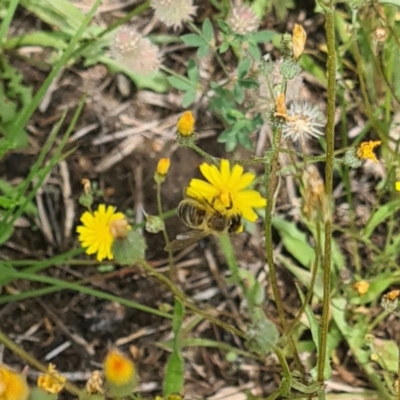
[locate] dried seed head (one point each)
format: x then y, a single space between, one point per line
242 19
304 120
299 41
391 302
314 198
134 52
119 228
172 13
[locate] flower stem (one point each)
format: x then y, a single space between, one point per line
206 314
20 352
172 272
330 139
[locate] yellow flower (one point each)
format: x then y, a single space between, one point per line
185 125
51 381
119 370
397 186
361 287
98 231
163 166
365 151
13 385
226 190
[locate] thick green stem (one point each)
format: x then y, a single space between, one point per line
330 139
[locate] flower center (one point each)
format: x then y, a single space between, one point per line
225 199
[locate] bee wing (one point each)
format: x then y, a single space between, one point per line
186 239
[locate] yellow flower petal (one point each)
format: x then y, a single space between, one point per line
226 190
397 186
96 235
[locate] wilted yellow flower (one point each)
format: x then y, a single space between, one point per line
280 106
99 230
95 383
51 381
185 125
163 166
361 287
365 151
13 385
299 40
119 370
226 190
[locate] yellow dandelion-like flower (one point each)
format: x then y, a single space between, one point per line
397 186
226 190
51 381
97 234
185 125
119 370
13 385
366 150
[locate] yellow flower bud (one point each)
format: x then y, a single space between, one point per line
13 385
185 125
397 186
119 370
163 166
299 40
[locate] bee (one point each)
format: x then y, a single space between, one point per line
204 220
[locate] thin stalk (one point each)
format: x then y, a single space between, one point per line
20 352
182 298
62 285
7 21
330 140
227 249
172 271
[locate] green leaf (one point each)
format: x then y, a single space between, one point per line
129 250
173 381
60 13
243 67
383 212
295 241
39 394
192 39
193 72
202 51
207 30
263 36
394 2
179 83
189 98
224 47
248 83
178 317
254 51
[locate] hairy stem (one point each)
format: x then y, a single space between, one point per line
330 136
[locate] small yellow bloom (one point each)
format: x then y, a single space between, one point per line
185 125
51 381
163 166
397 186
299 40
365 151
13 385
97 234
226 190
361 287
119 370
